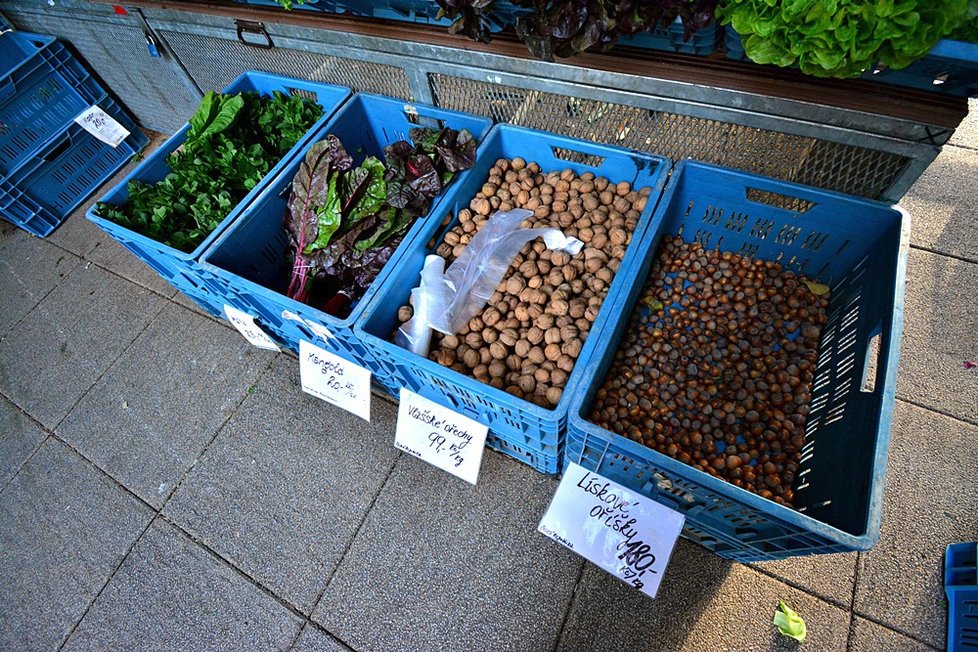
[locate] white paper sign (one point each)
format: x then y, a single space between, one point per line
246 325
439 436
103 126
335 380
618 529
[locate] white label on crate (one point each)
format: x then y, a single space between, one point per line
439 436
318 330
103 126
246 325
335 380
619 530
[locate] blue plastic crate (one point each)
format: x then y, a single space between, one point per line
42 88
534 432
63 172
950 68
178 267
961 586
251 259
702 42
733 44
859 248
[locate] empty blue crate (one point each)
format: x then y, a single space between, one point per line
858 248
63 172
961 586
178 267
42 88
950 68
702 42
252 258
526 431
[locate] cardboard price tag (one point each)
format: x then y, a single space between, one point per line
439 436
246 325
335 380
618 529
103 126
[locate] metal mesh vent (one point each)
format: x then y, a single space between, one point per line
835 166
153 91
216 62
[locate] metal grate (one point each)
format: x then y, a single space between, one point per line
215 62
834 166
153 91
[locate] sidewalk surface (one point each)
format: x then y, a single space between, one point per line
166 486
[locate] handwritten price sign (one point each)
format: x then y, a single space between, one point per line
618 529
245 324
335 380
439 436
103 126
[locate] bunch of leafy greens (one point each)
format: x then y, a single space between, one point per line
569 27
968 30
232 143
345 222
841 38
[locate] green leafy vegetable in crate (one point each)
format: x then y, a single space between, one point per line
344 223
841 38
968 30
232 143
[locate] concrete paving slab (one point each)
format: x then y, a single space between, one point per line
117 259
71 338
171 594
78 234
64 527
149 417
930 502
190 304
704 603
284 487
314 640
830 577
966 135
29 270
442 565
19 437
940 332
867 636
944 206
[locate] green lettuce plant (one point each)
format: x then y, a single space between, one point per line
841 38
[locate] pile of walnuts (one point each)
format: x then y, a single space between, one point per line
531 331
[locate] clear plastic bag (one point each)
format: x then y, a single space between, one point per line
447 301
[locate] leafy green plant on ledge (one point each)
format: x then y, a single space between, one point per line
842 38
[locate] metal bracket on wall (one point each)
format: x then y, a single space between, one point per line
250 27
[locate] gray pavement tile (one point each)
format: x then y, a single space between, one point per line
149 417
704 603
867 636
284 487
78 234
943 205
940 332
117 259
19 437
830 577
442 565
171 594
930 502
189 303
314 640
64 527
70 339
966 135
29 269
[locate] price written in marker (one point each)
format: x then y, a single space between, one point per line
619 530
335 380
440 436
103 126
246 325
